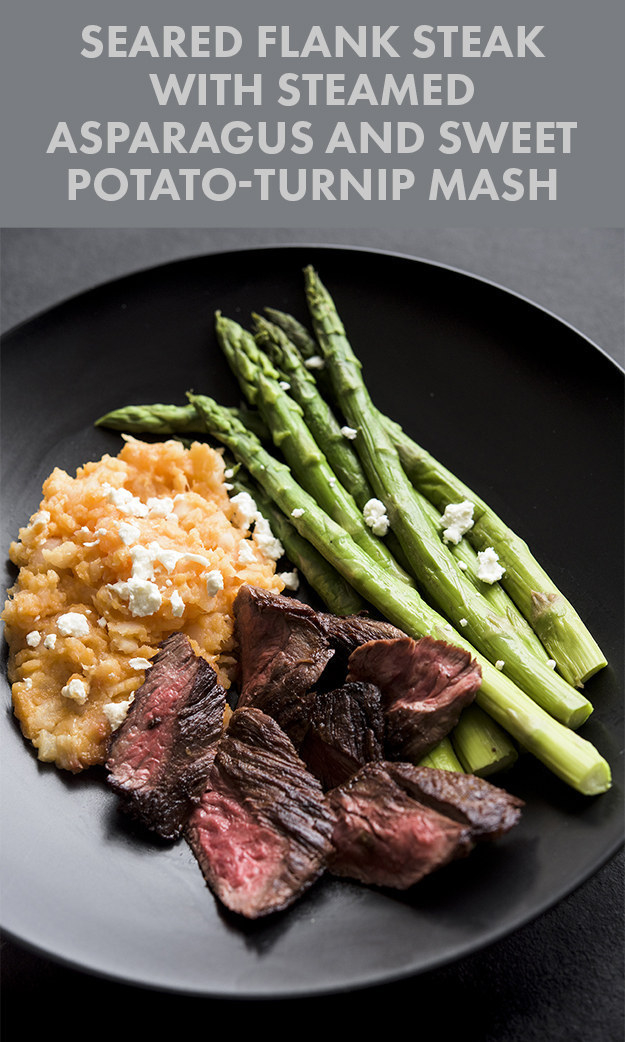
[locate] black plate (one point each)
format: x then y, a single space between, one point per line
521 406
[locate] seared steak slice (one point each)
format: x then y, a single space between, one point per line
283 650
348 632
488 810
286 649
425 685
346 730
384 837
160 757
262 831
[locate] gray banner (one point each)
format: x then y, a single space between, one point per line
281 115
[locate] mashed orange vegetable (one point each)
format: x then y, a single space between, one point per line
116 558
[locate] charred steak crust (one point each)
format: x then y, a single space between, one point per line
262 831
346 730
384 837
160 757
287 648
425 685
487 809
283 651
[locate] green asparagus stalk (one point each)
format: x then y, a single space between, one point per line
171 419
571 757
455 596
296 332
555 620
320 419
443 757
494 593
152 419
261 386
482 746
304 341
334 590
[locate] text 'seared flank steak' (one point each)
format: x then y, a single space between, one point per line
160 757
149 631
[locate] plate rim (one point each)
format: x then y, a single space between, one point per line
145 270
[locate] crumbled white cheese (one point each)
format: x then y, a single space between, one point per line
73 624
246 554
145 557
489 569
349 433
177 604
551 662
284 385
462 565
315 362
229 473
143 596
298 512
214 582
124 500
33 639
266 541
139 663
50 641
128 533
456 520
500 663
290 579
246 507
116 712
76 689
160 506
464 622
374 513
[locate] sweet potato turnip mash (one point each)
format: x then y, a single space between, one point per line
131 549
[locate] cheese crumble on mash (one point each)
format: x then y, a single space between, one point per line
131 549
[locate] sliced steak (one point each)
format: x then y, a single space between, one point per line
425 685
283 650
346 730
384 837
286 649
160 757
262 831
348 632
488 810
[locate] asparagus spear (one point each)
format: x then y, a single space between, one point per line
152 419
321 420
571 757
335 591
171 419
295 331
442 757
260 384
480 744
454 595
550 614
